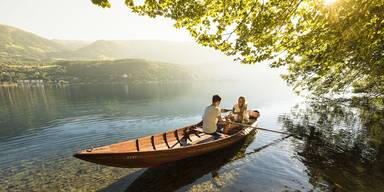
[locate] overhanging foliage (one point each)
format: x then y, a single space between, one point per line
327 48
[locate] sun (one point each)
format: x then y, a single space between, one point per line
329 2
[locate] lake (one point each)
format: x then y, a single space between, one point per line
338 146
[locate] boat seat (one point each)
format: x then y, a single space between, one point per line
199 129
207 138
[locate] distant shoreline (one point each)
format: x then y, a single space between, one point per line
104 83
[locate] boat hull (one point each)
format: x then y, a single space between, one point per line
147 152
156 158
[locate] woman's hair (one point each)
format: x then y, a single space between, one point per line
245 101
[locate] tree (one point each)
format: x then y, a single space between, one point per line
325 47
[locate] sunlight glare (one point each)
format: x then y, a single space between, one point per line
329 2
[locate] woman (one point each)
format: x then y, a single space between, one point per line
239 112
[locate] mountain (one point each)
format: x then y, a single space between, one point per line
167 51
17 45
71 45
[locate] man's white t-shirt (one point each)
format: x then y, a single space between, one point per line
210 118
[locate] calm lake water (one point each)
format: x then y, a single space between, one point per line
338 147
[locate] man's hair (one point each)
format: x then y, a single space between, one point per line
216 98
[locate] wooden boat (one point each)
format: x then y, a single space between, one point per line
162 148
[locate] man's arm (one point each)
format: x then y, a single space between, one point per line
220 119
219 115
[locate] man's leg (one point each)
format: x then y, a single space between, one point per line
219 126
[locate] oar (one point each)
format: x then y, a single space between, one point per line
246 125
226 110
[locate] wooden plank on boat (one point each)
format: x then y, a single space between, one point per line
153 142
165 140
137 144
177 136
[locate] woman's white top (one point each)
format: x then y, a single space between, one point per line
237 109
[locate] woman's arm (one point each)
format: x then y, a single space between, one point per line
234 111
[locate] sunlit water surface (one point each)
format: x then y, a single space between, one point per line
41 127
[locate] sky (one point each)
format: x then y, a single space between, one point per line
81 20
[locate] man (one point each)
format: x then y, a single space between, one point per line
212 115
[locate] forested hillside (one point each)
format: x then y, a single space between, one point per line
25 56
17 46
118 71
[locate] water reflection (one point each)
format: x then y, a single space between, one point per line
23 108
181 175
41 127
342 143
